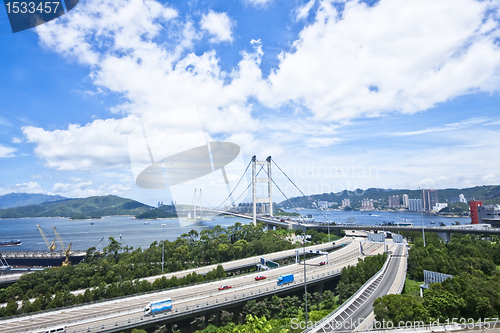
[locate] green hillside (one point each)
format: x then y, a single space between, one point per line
489 194
79 208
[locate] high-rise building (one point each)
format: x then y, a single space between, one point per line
346 202
414 205
430 199
394 201
405 200
462 198
474 215
367 204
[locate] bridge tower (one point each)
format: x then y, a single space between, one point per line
196 201
269 197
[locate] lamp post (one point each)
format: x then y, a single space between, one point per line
305 276
163 249
422 214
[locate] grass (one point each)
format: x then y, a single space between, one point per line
412 287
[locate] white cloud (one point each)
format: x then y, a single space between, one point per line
303 11
6 152
87 189
100 144
258 2
219 25
31 187
404 56
16 140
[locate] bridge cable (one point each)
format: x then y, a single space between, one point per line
261 168
301 192
244 172
285 196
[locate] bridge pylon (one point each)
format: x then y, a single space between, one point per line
269 197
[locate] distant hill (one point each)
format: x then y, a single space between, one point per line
489 194
79 208
24 199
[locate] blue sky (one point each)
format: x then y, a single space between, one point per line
384 94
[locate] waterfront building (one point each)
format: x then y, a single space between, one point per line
346 203
438 206
414 205
474 211
323 204
405 200
430 199
489 214
367 204
394 201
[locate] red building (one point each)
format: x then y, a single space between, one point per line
474 217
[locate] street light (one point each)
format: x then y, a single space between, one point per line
163 249
305 277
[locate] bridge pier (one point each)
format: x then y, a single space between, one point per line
446 236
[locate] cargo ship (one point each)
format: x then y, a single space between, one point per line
11 243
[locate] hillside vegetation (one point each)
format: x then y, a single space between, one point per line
488 194
88 207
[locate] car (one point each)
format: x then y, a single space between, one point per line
224 287
322 263
260 277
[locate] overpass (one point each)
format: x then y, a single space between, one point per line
127 312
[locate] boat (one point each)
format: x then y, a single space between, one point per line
147 222
91 223
11 243
432 222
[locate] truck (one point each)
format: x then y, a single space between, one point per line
158 306
284 279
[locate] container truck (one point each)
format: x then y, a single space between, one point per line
284 279
158 306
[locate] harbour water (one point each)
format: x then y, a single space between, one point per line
82 234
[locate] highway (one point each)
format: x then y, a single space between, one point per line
357 312
117 314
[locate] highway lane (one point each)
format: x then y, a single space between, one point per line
132 307
232 265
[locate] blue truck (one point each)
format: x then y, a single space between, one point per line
158 306
284 279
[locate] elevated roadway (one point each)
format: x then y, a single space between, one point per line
124 313
325 226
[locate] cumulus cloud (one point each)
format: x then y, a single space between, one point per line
31 187
100 144
219 25
6 151
403 56
397 56
87 189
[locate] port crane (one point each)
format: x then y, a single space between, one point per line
67 250
52 246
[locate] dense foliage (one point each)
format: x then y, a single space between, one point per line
353 277
113 272
473 292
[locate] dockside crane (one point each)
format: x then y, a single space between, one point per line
52 246
67 250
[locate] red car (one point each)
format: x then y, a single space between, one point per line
260 277
224 287
322 263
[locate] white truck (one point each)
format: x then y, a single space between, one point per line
158 306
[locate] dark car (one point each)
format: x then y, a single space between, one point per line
224 287
322 263
260 277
